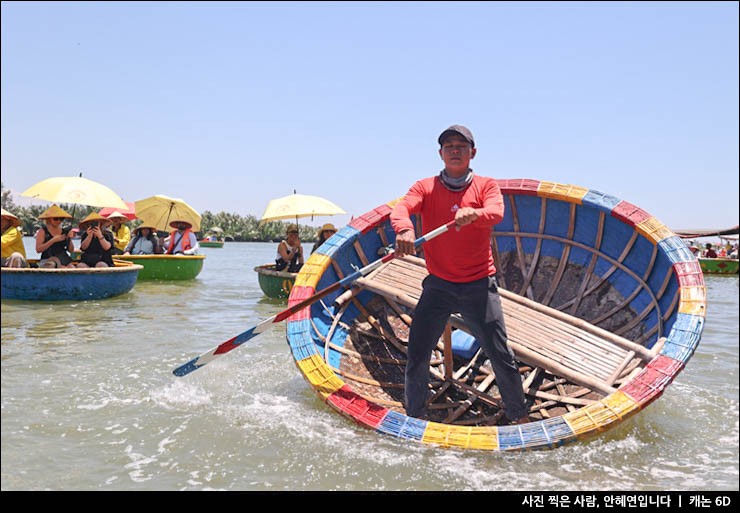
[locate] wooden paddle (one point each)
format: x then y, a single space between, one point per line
235 342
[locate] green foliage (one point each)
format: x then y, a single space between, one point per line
248 228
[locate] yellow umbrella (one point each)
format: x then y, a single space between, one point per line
75 190
299 205
159 211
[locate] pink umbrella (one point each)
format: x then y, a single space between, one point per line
129 212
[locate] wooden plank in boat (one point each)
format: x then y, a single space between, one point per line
555 341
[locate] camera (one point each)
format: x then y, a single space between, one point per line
94 224
66 229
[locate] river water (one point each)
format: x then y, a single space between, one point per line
89 403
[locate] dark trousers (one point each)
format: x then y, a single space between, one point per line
480 306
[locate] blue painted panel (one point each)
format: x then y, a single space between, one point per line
616 236
528 213
601 201
557 218
579 256
403 426
676 249
300 340
586 226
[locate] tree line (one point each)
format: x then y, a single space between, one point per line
235 227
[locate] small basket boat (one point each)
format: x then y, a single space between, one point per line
275 284
603 304
166 267
211 243
35 284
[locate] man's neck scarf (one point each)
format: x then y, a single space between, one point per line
456 184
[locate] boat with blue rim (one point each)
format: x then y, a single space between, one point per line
38 284
604 307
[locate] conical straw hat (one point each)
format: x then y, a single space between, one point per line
54 211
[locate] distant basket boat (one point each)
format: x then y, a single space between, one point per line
719 265
35 284
211 243
275 284
604 307
166 267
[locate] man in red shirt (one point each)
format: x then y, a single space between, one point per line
461 270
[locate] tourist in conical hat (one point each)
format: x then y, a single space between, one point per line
144 242
53 240
96 243
325 232
121 232
182 241
13 250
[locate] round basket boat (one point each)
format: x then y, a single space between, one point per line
275 284
603 305
166 267
35 284
211 243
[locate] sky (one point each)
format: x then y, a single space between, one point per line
230 104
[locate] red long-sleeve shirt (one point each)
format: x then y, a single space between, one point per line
458 256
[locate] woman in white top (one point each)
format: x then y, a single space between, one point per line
289 251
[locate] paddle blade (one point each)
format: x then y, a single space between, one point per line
232 343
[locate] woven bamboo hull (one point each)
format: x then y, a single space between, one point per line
35 284
166 267
275 284
571 263
719 265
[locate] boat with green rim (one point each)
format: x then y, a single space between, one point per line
166 267
211 243
275 284
719 265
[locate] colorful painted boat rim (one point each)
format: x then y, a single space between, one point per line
211 244
719 265
34 284
166 267
275 284
669 278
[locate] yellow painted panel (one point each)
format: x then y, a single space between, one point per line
320 375
312 270
599 415
693 300
464 437
561 191
653 230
